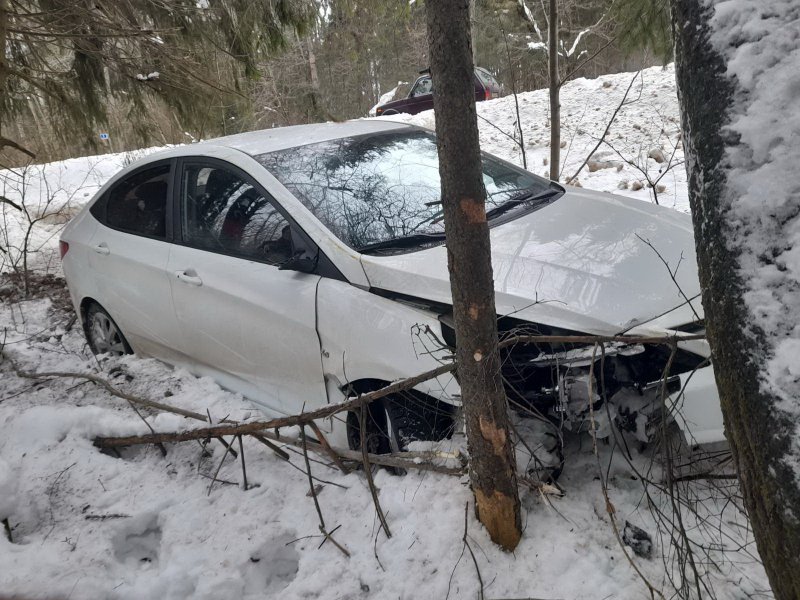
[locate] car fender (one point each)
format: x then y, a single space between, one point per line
366 336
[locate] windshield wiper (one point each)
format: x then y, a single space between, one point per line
526 198
404 241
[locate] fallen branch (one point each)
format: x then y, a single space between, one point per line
705 476
131 399
351 403
400 460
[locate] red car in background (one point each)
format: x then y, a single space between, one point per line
421 95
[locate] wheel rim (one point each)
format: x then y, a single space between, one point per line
106 337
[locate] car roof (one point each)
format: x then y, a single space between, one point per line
280 138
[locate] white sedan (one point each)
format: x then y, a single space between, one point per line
301 264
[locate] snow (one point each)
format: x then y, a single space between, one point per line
649 121
387 97
761 46
53 193
86 524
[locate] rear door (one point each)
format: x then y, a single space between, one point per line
243 321
128 255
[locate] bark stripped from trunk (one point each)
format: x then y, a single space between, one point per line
469 261
762 434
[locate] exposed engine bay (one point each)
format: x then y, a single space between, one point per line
580 388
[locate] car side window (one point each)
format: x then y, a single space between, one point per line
139 203
223 212
423 87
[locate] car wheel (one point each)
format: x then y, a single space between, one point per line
103 334
379 435
389 112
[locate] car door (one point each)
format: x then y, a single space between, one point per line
421 96
128 255
243 321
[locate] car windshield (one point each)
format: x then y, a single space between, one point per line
383 191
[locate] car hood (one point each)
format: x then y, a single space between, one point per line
590 261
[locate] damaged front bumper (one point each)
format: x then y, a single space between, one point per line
696 407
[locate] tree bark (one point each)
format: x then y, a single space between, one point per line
3 61
555 88
760 435
492 471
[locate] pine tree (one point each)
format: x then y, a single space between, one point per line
492 468
72 58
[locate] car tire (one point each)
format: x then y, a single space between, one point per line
380 436
390 112
103 334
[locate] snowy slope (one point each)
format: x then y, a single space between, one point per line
89 525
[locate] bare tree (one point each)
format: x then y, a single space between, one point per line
492 470
746 230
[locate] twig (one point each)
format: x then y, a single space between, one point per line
213 479
328 450
471 553
672 274
609 506
244 468
368 471
159 444
7 528
280 452
105 517
328 536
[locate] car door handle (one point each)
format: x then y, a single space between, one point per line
102 249
189 276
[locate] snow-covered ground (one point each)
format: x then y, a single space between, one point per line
86 524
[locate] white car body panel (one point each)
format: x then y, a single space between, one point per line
597 277
699 418
354 328
141 301
250 326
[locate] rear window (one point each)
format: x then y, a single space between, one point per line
138 204
487 79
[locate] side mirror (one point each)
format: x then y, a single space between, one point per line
300 262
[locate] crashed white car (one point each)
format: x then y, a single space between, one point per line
301 264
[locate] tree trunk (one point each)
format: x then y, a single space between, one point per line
555 102
3 61
469 260
758 420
